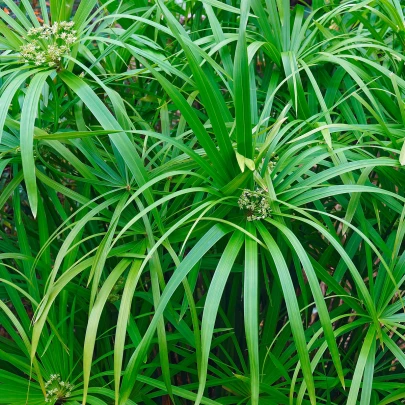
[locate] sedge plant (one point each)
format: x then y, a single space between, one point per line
202 202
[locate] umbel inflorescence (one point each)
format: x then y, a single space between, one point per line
255 203
56 389
47 44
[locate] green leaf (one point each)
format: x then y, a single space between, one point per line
292 308
242 99
368 343
28 115
251 310
214 295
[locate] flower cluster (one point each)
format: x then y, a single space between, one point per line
255 203
57 389
48 43
116 291
273 162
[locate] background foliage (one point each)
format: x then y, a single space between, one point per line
128 267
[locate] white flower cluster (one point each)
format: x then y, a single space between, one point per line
49 43
255 203
57 389
273 162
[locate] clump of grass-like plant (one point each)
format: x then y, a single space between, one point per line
202 202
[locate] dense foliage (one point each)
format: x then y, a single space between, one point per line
202 202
